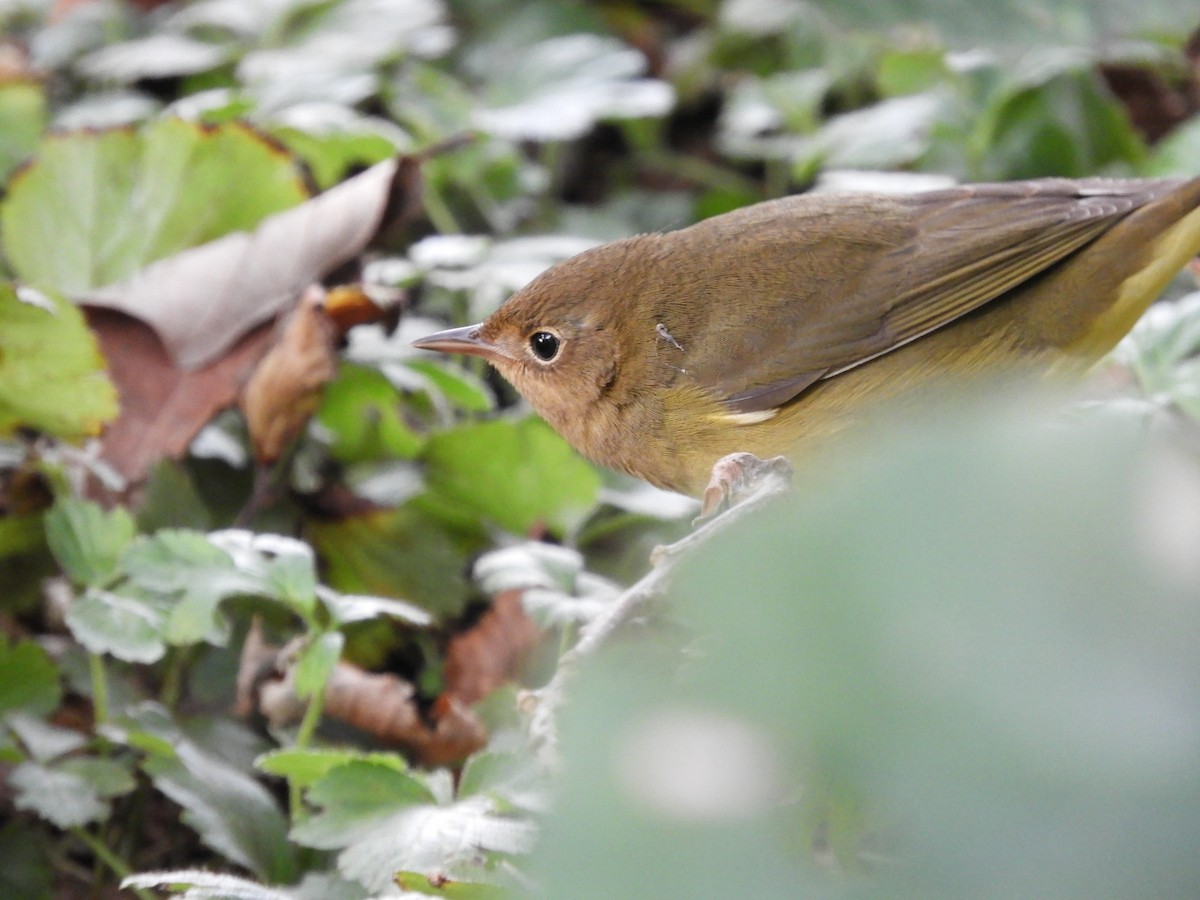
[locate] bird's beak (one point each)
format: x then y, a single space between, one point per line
460 340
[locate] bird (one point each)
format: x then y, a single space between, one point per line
771 327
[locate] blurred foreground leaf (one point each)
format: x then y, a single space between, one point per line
964 657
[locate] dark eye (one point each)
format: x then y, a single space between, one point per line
544 345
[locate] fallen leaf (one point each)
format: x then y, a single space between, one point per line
202 300
285 389
163 407
491 653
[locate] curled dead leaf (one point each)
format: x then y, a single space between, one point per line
202 300
162 407
380 704
491 653
285 389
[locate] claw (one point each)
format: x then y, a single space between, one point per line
736 474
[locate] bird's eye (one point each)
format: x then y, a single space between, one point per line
544 345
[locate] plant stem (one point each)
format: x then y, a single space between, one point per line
308 725
114 862
172 685
99 694
439 213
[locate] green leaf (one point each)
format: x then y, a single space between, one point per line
1161 349
968 626
126 627
1176 154
22 119
347 608
460 388
416 551
556 589
354 799
65 799
389 821
332 154
305 767
52 375
110 202
417 883
230 811
28 679
86 540
203 885
364 415
1055 119
517 474
173 559
560 88
42 740
1011 24
107 777
316 663
281 568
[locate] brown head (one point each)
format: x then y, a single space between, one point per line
558 340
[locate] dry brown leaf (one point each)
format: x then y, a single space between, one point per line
203 300
163 407
491 653
285 389
380 704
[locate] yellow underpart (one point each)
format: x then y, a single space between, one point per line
1171 252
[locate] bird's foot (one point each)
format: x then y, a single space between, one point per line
735 475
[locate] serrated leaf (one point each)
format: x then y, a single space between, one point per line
172 559
107 777
42 740
273 565
1162 350
354 799
515 779
559 88
347 608
162 55
193 617
388 820
230 811
126 627
86 540
204 885
28 679
304 767
65 799
532 564
517 474
429 838
52 375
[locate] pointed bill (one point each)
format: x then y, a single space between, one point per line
460 340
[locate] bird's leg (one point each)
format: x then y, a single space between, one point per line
735 475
